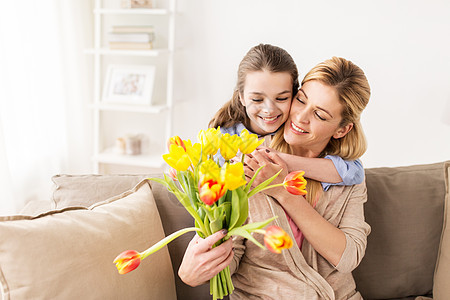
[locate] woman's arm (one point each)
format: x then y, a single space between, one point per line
327 240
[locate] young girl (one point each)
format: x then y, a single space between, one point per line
267 81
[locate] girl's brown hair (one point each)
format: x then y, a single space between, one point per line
353 89
258 58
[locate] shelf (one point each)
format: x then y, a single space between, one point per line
152 109
131 11
149 161
107 51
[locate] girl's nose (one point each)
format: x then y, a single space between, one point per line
268 107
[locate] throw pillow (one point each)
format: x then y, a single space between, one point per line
69 253
405 209
87 189
441 288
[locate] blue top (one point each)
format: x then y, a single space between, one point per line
351 171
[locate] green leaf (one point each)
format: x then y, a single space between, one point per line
245 234
249 184
262 185
235 210
159 180
258 225
243 207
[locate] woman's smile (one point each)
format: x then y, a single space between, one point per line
297 130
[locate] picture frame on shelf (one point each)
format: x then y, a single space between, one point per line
129 84
136 4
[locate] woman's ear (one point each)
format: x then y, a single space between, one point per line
241 99
342 131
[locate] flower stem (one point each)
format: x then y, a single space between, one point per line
167 240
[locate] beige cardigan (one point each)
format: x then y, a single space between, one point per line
302 274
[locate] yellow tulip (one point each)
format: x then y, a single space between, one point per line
194 152
249 142
229 145
209 170
233 175
210 140
177 158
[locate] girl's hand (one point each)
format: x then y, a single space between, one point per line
201 261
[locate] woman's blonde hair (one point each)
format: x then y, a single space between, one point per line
258 58
353 89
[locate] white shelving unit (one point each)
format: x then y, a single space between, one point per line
111 121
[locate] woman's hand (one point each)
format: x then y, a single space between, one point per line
272 164
201 261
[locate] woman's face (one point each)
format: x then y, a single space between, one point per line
267 99
315 116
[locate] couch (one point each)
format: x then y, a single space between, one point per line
63 248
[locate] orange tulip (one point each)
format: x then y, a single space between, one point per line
210 191
176 140
295 183
127 261
276 239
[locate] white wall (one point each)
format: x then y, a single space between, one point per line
403 46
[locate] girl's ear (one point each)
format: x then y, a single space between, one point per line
342 131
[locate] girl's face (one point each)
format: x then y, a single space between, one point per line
267 99
315 118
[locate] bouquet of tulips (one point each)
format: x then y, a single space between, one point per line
216 196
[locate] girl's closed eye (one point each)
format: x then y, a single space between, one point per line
257 100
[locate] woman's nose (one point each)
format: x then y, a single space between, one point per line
302 116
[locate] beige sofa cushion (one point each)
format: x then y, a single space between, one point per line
405 209
85 190
441 289
68 254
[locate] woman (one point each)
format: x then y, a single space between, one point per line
328 226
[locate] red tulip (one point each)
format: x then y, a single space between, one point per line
295 183
176 140
173 174
276 239
127 261
210 191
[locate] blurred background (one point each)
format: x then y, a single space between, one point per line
51 116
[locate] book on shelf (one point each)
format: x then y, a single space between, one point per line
130 37
130 46
133 29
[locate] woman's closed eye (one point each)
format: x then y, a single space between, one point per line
282 98
300 100
317 113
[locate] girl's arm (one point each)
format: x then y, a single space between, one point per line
320 169
331 170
